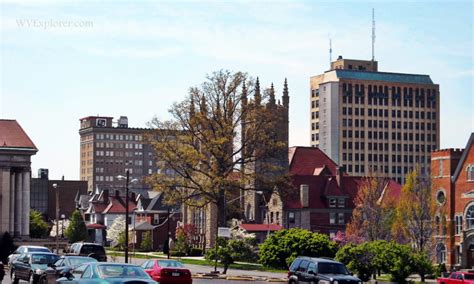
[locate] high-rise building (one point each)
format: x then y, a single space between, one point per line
374 122
109 149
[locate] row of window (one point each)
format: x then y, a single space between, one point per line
384 113
379 168
384 146
382 158
126 137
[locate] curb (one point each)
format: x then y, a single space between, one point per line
238 278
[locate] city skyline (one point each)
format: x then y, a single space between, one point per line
62 62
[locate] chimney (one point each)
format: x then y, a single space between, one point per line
339 173
105 195
304 195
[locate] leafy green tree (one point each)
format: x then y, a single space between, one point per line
423 264
7 247
232 250
358 258
38 227
77 230
146 244
401 262
282 247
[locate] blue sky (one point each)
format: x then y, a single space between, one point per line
136 58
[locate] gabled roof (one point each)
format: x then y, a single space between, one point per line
260 227
117 206
464 156
308 160
13 136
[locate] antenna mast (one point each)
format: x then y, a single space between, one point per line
330 52
373 34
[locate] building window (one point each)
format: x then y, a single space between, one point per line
458 224
156 218
332 218
341 220
332 202
291 217
440 253
341 203
470 217
441 197
470 172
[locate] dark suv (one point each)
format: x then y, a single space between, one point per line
319 270
88 249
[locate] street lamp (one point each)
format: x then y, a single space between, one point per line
267 211
62 225
55 186
127 181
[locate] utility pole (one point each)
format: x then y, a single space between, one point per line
168 237
55 186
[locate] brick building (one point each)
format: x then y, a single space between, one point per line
322 196
453 188
370 121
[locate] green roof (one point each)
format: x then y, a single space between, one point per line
383 76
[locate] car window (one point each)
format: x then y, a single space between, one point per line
38 250
312 267
88 249
87 273
77 272
114 270
151 264
295 264
44 258
169 263
460 276
332 268
145 264
469 276
303 266
76 261
453 275
59 262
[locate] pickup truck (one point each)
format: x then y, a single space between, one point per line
459 277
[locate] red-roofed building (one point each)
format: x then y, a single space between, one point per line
16 149
452 184
322 198
260 230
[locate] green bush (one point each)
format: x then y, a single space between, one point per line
232 250
281 248
38 227
146 244
77 230
423 265
401 263
176 253
195 252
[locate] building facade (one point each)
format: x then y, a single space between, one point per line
16 149
109 149
452 184
370 121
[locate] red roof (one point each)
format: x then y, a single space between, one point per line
310 160
13 136
117 205
96 226
261 227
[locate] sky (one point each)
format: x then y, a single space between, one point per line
61 61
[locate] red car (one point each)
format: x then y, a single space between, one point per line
460 277
167 271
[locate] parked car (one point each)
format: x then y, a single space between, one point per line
30 266
25 249
64 263
106 272
2 271
459 277
88 249
167 271
319 270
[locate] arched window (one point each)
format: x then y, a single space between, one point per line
437 221
470 172
470 217
440 253
443 226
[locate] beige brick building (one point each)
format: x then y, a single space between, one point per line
370 121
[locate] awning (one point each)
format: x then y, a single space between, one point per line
96 226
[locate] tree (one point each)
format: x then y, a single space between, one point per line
232 250
373 216
415 211
146 244
7 247
77 230
281 248
422 264
38 227
358 258
213 134
116 231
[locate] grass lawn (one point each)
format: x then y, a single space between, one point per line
241 266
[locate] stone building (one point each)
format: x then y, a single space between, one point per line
452 183
16 149
370 121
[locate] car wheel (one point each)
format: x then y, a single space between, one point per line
14 278
42 280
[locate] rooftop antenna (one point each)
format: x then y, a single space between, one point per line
330 50
373 34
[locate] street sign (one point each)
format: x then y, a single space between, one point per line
223 232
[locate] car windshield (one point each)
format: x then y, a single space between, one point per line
169 263
88 249
114 270
38 250
43 258
331 268
76 261
469 276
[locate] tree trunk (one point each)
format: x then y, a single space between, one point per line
422 276
226 265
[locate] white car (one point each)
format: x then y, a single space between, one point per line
24 249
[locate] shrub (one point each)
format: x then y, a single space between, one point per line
76 231
422 264
195 252
232 250
282 247
358 259
176 253
38 227
146 244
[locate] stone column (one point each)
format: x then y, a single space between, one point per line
26 204
18 204
12 203
5 200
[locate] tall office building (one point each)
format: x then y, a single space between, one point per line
109 149
374 122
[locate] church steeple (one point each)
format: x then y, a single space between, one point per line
286 97
258 95
243 97
272 96
192 109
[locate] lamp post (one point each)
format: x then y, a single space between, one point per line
267 211
62 225
127 181
55 186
